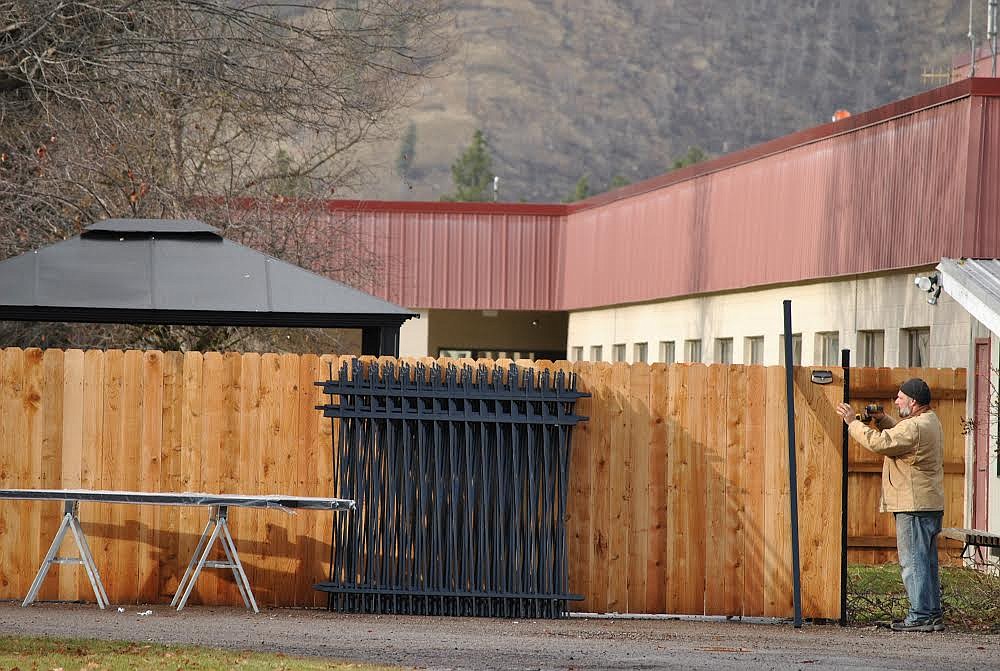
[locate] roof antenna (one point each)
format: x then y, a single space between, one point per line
972 45
991 31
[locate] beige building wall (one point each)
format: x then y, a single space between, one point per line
413 335
889 304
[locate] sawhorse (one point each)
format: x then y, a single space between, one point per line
216 529
70 522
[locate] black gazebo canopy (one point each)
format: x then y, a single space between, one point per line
158 271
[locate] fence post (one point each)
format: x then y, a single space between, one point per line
792 476
845 362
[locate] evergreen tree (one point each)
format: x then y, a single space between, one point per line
693 155
407 147
288 180
580 191
617 182
472 172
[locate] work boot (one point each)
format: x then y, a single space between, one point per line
917 625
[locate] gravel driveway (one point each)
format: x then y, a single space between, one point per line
468 643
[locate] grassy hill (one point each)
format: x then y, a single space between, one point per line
565 88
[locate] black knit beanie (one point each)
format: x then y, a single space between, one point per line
918 390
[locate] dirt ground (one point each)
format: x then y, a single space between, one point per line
468 643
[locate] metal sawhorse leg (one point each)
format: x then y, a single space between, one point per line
71 522
217 528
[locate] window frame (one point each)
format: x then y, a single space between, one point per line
724 347
749 345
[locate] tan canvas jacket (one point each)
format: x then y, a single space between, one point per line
913 468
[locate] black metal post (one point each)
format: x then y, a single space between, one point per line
792 476
845 362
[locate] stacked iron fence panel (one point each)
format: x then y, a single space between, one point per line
461 480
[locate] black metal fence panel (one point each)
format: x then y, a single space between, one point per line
460 477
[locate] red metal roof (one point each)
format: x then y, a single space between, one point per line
927 99
896 187
885 196
494 258
983 206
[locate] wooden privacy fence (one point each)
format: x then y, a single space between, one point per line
680 495
678 485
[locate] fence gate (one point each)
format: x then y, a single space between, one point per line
461 479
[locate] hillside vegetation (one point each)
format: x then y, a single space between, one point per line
566 88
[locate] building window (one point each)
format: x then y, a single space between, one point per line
639 352
753 350
692 351
541 355
796 349
827 348
871 349
914 347
596 353
667 354
618 352
578 353
723 350
455 353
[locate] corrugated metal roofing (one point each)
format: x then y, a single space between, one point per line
890 195
975 285
492 259
892 188
174 273
943 95
983 208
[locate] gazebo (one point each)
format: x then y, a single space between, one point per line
161 271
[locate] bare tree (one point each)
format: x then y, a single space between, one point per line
222 110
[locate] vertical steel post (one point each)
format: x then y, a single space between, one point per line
792 475
845 362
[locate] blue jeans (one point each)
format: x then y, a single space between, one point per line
916 540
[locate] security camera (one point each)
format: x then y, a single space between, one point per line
931 284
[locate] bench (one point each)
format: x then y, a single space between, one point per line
975 543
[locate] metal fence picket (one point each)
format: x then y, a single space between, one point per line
461 479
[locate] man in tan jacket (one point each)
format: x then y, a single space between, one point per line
913 491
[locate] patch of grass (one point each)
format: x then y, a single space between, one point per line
50 654
970 598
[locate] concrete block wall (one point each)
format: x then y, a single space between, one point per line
889 303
